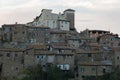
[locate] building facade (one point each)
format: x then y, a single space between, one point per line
64 21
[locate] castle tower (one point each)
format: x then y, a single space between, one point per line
69 14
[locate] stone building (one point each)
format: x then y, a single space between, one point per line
58 36
7 32
110 40
38 35
92 70
1 37
93 33
19 33
116 56
14 60
64 56
44 57
60 21
14 35
11 61
91 64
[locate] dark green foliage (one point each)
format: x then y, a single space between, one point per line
50 73
54 73
114 75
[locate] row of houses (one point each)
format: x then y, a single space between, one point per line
88 54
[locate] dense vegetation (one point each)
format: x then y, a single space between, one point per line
114 75
39 73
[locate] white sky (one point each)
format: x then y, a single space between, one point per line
91 14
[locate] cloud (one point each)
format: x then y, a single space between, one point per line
11 3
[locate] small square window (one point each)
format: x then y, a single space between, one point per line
15 32
37 56
93 69
1 55
89 55
16 55
104 71
16 68
82 69
26 53
117 57
8 55
23 32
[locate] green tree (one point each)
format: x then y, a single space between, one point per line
54 73
113 75
31 73
50 73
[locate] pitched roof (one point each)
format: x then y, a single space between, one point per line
96 63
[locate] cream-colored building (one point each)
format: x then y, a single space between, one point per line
64 21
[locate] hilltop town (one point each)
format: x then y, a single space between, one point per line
52 39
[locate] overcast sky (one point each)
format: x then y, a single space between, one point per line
91 14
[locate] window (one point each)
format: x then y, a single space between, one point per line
62 51
8 55
105 58
119 44
93 69
89 55
72 50
10 28
26 53
16 68
22 61
96 49
3 28
59 50
16 55
66 67
104 71
62 26
60 35
23 32
83 76
82 69
37 56
86 48
35 34
117 57
15 32
1 55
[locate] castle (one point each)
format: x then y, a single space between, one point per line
51 39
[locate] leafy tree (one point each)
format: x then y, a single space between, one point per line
50 73
31 73
54 73
114 75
